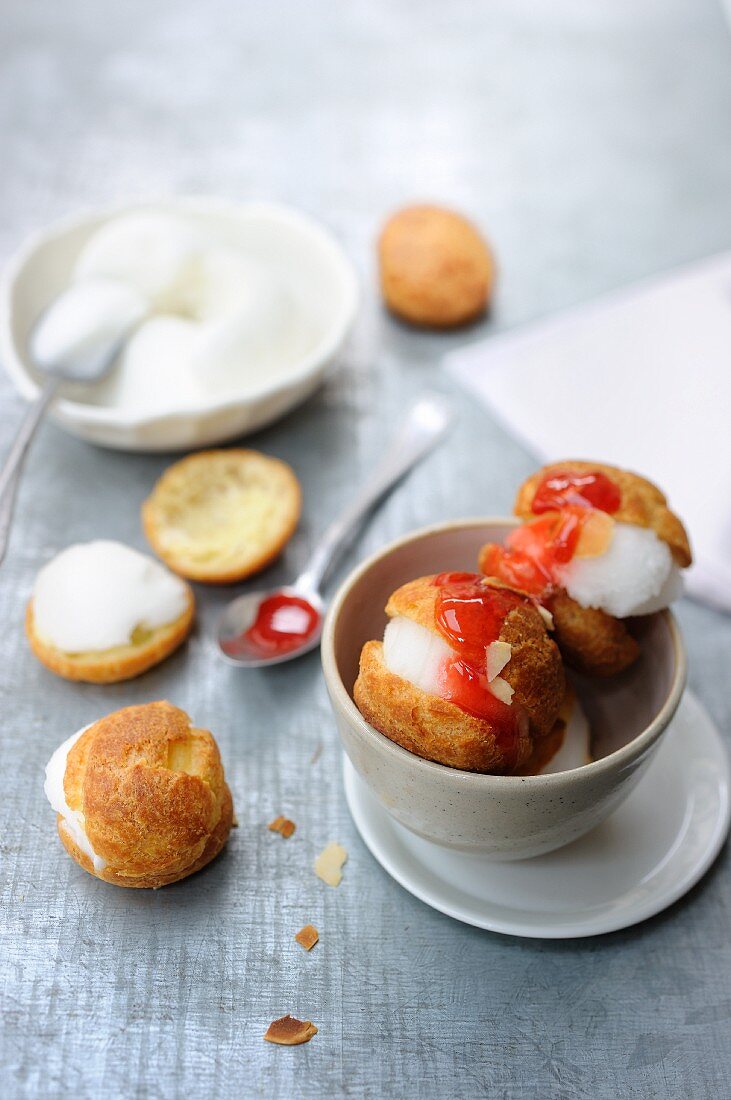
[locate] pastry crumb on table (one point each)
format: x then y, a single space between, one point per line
307 937
283 826
287 1031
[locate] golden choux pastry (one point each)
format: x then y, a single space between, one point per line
479 704
435 268
640 502
589 639
599 546
140 796
220 516
110 666
102 612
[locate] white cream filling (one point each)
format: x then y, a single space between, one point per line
419 655
636 575
415 653
73 820
93 596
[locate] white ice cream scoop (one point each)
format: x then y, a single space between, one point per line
636 575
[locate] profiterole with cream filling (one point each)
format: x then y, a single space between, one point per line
466 674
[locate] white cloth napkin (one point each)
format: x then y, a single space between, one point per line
642 379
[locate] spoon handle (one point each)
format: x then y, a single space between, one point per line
12 467
426 424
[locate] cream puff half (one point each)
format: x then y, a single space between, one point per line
140 796
217 517
102 612
403 686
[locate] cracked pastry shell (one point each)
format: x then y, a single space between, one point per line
152 791
439 730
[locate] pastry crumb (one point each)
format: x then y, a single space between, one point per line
316 754
307 937
283 826
289 1032
329 864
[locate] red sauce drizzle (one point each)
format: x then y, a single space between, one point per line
533 551
282 623
471 613
590 490
469 616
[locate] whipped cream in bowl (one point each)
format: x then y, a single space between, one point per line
96 596
243 308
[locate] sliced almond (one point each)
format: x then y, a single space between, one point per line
329 864
501 689
283 826
307 937
498 655
546 616
289 1032
595 538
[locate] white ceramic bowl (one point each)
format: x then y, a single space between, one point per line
502 817
326 287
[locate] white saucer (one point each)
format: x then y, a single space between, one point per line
649 853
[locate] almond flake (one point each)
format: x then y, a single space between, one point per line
329 864
546 616
595 537
501 689
498 655
289 1032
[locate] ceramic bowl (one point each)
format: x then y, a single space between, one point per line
320 272
502 817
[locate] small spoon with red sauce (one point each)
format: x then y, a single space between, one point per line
267 628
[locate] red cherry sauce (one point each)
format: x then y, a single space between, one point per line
589 490
532 552
469 616
283 622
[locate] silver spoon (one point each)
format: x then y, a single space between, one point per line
76 339
298 624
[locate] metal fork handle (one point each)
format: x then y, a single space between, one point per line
13 465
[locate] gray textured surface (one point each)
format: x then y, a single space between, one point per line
591 140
